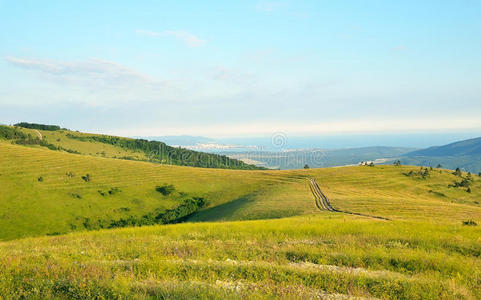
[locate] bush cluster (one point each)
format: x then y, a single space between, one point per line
170 216
165 189
464 183
38 126
422 173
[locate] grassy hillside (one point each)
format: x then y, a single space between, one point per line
326 255
423 251
43 192
54 138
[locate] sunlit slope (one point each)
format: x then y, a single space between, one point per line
302 257
387 191
116 147
59 203
39 195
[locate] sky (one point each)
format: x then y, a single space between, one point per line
242 68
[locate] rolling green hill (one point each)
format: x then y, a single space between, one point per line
255 234
55 138
47 192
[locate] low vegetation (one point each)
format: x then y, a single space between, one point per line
95 227
327 255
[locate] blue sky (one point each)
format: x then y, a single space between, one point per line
242 68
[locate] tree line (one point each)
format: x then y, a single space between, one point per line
38 126
162 153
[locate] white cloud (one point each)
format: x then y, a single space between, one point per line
92 72
186 37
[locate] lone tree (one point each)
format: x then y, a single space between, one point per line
439 166
306 166
457 172
165 189
397 163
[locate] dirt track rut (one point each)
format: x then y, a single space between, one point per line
323 203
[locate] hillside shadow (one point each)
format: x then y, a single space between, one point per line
221 212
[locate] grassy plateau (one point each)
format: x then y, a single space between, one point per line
258 235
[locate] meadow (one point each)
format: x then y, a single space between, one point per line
259 235
327 255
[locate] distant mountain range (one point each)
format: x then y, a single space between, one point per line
463 154
319 158
462 148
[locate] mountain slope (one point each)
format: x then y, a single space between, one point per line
461 148
463 154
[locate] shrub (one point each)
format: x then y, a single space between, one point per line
114 191
457 172
306 166
469 223
422 173
466 182
165 189
40 179
86 178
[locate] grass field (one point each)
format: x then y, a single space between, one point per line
268 240
61 138
60 203
301 257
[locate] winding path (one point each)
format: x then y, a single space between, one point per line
38 133
323 203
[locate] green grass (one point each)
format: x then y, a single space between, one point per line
30 207
301 257
118 147
60 203
268 239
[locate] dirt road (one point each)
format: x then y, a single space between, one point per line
323 203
